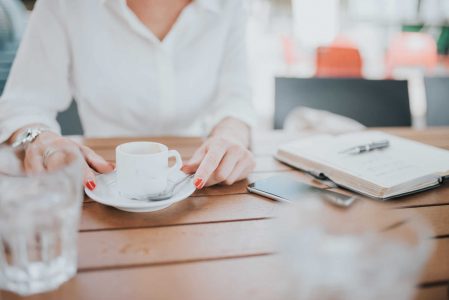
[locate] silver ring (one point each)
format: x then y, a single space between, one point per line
48 152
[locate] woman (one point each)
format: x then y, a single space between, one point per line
135 67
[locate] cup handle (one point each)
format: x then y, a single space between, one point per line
178 165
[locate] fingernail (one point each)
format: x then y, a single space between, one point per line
91 185
199 183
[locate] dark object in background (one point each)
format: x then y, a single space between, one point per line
443 41
13 17
374 103
69 121
437 94
29 4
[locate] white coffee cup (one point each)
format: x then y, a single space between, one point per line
142 168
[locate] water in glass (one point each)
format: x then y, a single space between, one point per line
39 218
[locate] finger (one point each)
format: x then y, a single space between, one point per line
226 166
242 170
88 174
56 161
95 161
33 162
89 177
209 165
193 164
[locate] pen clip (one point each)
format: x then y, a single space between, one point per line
317 175
322 178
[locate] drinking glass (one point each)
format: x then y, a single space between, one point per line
341 255
39 218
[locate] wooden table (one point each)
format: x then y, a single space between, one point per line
213 245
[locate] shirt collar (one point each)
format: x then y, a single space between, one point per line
212 5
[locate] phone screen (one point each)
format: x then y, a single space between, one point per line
286 188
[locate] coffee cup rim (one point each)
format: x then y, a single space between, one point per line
119 148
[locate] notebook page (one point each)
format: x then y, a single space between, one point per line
403 161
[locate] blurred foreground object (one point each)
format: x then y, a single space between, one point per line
39 216
363 254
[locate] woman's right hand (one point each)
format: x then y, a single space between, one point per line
47 153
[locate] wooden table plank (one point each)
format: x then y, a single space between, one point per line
254 278
211 241
437 268
208 209
260 278
174 244
433 293
224 208
438 218
195 210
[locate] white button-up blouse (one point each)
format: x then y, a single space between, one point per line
124 79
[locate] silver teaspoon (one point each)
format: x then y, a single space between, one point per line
168 192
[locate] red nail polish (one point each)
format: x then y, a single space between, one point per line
199 183
91 185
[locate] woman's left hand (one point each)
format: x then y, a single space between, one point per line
220 160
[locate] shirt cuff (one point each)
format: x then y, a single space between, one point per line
244 114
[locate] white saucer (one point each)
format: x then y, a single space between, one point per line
107 193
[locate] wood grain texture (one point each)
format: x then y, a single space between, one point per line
195 210
437 268
260 277
437 217
434 197
150 245
433 293
219 244
174 244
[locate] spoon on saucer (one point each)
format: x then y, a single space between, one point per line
168 192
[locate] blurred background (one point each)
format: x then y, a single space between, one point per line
371 39
379 62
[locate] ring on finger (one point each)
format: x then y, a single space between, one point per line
48 152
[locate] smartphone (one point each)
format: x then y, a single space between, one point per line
285 188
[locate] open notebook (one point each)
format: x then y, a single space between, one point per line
404 167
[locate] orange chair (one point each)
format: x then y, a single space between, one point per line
340 59
411 49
